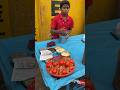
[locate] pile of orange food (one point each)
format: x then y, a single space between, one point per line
60 67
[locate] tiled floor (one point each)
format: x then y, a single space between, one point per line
39 84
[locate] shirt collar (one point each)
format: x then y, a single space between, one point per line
61 17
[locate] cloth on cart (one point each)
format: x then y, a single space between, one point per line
75 46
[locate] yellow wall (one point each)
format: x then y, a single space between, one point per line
43 18
22 17
18 17
102 10
5 25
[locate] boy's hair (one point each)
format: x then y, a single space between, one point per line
64 2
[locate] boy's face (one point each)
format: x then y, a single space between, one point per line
65 9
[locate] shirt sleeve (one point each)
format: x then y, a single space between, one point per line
54 23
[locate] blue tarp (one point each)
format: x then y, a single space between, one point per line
76 47
101 53
7 48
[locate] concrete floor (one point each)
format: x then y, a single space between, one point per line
39 84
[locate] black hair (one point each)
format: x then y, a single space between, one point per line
63 3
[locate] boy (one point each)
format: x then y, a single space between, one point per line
62 24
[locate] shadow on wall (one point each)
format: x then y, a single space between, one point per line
102 10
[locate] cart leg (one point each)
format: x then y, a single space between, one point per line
68 87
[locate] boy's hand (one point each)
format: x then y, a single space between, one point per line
62 29
56 31
65 32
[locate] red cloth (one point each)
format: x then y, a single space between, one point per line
88 3
58 22
31 86
88 84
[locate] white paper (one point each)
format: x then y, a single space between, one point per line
42 57
24 68
24 62
45 54
22 74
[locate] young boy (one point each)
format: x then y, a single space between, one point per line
62 24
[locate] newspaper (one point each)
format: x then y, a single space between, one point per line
24 68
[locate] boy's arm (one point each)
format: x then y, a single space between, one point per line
60 31
66 32
55 31
69 31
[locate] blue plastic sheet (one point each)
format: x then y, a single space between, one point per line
101 53
76 47
7 48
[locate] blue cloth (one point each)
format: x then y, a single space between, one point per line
75 46
7 48
101 53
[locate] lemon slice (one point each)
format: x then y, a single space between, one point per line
60 50
57 47
65 53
